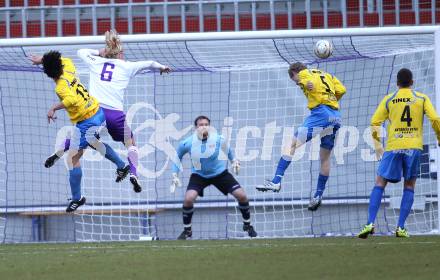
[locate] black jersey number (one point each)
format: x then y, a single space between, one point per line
406 116
81 90
328 90
331 95
322 76
327 87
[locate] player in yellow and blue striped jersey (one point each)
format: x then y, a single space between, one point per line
323 92
404 109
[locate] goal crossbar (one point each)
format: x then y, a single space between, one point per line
73 40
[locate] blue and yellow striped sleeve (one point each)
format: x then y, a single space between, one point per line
430 112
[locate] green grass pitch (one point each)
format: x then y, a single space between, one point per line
310 258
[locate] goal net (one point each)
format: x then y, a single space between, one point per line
240 81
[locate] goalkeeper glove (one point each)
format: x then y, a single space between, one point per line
175 183
236 166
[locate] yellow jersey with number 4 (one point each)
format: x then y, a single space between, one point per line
404 109
74 96
327 89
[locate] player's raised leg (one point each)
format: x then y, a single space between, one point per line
328 136
53 158
85 136
133 156
90 134
113 119
324 172
120 132
75 176
133 160
104 149
284 162
110 154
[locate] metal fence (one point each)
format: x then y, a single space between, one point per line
40 18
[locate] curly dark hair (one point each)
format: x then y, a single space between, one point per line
52 64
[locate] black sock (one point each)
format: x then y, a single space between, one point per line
245 213
187 214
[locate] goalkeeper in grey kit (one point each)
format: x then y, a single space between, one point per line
206 149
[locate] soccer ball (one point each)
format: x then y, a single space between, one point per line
323 49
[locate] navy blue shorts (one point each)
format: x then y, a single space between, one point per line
323 120
394 164
224 182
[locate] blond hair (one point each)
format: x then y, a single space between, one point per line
113 44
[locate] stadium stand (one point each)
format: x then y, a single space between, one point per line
34 18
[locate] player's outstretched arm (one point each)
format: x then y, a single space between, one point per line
165 69
52 111
139 66
36 59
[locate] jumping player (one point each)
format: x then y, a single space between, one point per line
84 112
323 92
110 75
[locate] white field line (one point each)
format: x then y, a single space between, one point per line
146 247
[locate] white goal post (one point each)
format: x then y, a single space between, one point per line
240 80
240 35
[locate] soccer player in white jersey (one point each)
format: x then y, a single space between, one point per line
109 77
207 149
